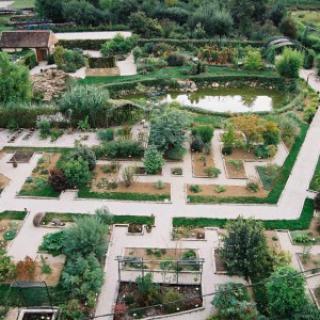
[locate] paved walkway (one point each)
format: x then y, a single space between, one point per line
127 67
5 4
96 35
288 207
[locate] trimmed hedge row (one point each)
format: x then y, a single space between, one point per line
301 223
275 193
123 219
85 44
12 215
86 193
102 62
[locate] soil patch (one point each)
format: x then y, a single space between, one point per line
200 163
4 181
242 154
188 297
311 261
21 157
230 191
235 169
220 267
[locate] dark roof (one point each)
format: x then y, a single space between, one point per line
25 39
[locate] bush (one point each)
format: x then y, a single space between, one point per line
44 127
253 60
122 149
37 219
262 152
86 154
77 172
69 60
195 188
118 45
212 172
57 180
289 63
176 60
204 132
252 186
175 154
288 27
128 176
227 150
317 202
7 268
53 243
309 58
197 145
153 160
106 135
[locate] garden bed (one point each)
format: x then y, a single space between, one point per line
310 261
235 169
161 259
37 185
188 233
219 264
21 156
315 182
8 231
201 163
212 193
308 236
241 154
187 297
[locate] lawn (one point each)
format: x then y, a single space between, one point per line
307 17
18 4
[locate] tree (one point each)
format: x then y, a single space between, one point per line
57 180
278 11
26 269
50 9
271 135
118 45
286 293
77 172
153 160
288 27
289 63
15 84
82 276
7 267
44 127
87 236
168 130
144 26
245 250
233 302
86 154
82 101
308 312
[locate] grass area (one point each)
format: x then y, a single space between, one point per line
18 4
268 175
302 4
86 193
69 217
307 17
315 182
299 224
178 73
43 190
4 20
12 215
276 191
38 149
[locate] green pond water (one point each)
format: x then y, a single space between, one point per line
226 99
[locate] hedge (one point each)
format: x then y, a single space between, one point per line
301 223
12 215
130 196
123 219
276 191
85 44
102 62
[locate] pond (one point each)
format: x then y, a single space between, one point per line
234 100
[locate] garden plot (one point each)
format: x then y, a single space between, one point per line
161 259
188 233
235 169
21 156
37 184
242 154
307 237
202 164
309 261
175 298
8 231
225 191
4 181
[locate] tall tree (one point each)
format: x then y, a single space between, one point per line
245 250
50 9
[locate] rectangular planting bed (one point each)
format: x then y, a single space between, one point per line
165 299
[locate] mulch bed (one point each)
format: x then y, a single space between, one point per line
21 157
233 172
242 154
129 298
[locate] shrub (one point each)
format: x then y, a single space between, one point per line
159 185
26 269
44 127
172 300
106 135
53 243
153 160
69 60
309 58
176 59
197 145
204 132
57 180
252 186
212 172
220 189
128 176
37 219
7 268
118 45
253 60
317 202
227 150
76 172
195 188
288 27
289 63
86 154
122 149
176 153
